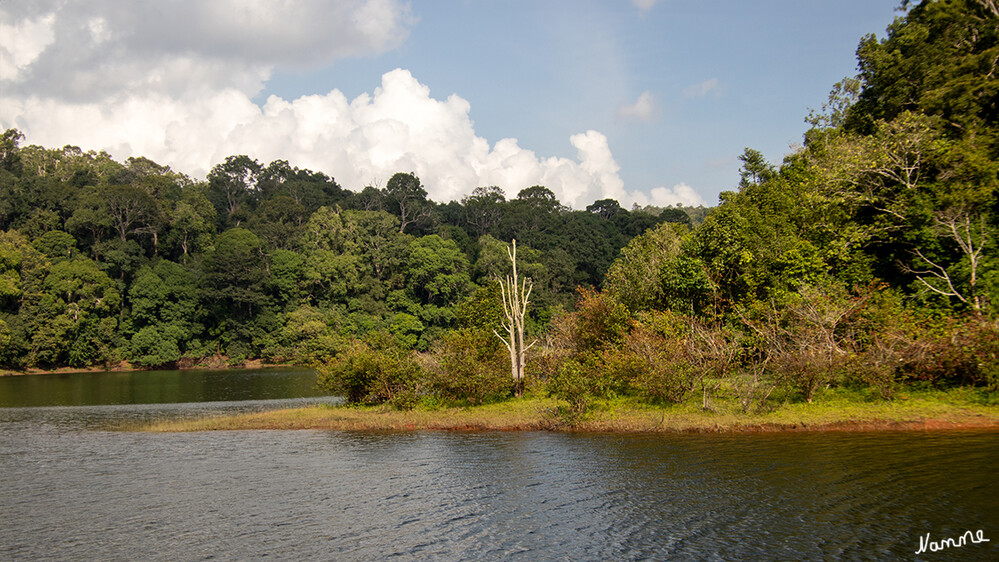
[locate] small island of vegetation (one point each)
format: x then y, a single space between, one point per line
855 284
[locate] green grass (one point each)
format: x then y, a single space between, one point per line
832 409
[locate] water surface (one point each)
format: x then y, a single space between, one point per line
156 387
74 491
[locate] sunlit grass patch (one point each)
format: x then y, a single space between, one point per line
835 408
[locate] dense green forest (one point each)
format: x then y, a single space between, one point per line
868 257
102 261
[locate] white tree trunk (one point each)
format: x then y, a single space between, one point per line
516 293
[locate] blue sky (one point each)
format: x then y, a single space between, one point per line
647 102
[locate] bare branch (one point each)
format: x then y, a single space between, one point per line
516 294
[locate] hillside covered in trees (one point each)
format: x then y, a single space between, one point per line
867 258
102 261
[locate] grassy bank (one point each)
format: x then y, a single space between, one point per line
833 410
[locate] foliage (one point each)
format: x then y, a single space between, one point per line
665 372
372 371
469 365
572 382
806 343
634 277
958 352
599 322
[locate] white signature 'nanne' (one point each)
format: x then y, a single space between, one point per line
934 546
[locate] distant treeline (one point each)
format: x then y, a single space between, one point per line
102 261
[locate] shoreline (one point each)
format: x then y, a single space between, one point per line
126 367
537 415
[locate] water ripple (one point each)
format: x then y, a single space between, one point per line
75 493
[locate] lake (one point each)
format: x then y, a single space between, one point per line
72 489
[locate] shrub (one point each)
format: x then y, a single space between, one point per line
572 382
599 322
670 383
877 366
664 371
753 388
373 371
806 342
960 352
470 365
151 348
715 350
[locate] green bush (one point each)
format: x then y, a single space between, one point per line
573 383
373 371
663 370
666 383
470 365
150 348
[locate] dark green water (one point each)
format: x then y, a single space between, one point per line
72 491
156 387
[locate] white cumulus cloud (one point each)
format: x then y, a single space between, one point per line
147 105
85 50
22 42
680 193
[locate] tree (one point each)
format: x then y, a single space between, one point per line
968 230
606 208
10 159
484 209
755 169
72 316
307 188
278 221
368 199
132 210
235 273
515 293
406 195
539 197
940 59
634 276
55 244
437 270
593 242
493 261
192 220
333 264
90 219
232 185
381 241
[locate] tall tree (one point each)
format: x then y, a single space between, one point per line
232 186
408 198
515 293
484 209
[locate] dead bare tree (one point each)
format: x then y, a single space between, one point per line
971 235
516 293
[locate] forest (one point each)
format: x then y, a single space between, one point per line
866 258
104 262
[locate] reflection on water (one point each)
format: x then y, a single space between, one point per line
156 387
74 492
